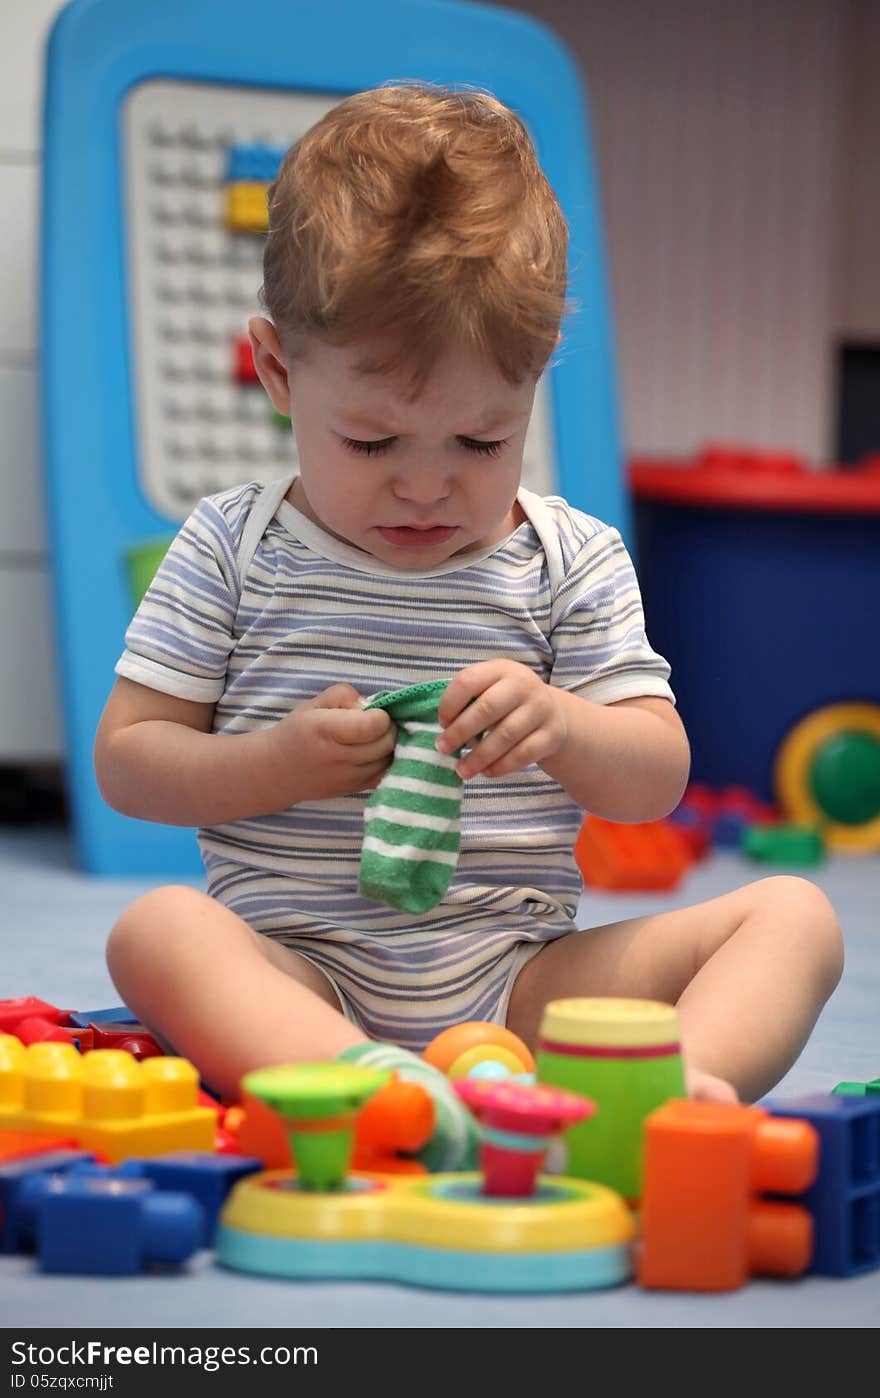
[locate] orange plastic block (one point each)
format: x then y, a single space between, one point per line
705 1226
610 855
104 1100
399 1117
14 1145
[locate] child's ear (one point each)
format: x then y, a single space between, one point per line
269 362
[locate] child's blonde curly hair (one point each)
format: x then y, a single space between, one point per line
418 214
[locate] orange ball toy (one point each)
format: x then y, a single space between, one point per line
443 1051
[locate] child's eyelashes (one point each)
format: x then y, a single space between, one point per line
377 448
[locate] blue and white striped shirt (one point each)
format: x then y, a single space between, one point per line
312 611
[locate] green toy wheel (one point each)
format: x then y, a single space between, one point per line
827 774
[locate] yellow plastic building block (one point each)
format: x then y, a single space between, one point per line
106 1100
247 206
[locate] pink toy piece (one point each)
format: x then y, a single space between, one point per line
519 1121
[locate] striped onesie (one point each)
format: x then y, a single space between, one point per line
256 608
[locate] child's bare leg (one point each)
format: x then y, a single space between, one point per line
226 998
749 973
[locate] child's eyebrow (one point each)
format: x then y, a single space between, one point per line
368 424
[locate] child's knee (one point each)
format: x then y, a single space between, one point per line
816 922
146 925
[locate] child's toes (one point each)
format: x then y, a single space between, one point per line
703 1087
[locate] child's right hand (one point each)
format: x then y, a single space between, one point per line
330 746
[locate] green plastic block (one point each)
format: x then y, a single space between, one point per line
783 844
141 561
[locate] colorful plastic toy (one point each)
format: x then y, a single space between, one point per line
827 773
704 1225
105 1099
110 1226
15 1145
208 1178
736 811
615 856
844 1200
34 1029
17 1169
247 209
12 1012
117 1015
318 1103
625 1056
245 370
458 1049
858 1089
256 161
440 1230
391 1126
518 1125
706 817
34 1021
784 844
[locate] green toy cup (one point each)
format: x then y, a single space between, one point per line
625 1056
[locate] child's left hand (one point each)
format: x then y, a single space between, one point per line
524 714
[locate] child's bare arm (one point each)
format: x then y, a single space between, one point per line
626 761
157 759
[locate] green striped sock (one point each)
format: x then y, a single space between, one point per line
412 829
456 1139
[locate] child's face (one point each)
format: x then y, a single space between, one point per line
432 463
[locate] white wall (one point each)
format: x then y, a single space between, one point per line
29 723
718 125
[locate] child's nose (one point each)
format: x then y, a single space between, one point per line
422 486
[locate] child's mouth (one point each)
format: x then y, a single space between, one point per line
408 537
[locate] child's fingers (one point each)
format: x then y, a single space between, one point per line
362 726
516 726
467 686
338 696
485 713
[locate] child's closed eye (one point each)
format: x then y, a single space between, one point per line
378 447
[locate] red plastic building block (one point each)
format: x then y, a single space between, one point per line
245 369
133 1038
12 1012
37 1030
610 855
704 1225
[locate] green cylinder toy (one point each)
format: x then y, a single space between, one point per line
624 1055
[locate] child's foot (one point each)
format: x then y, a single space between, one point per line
456 1139
703 1087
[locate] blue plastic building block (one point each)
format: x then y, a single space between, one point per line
111 1226
728 829
14 1177
254 162
120 1014
208 1178
845 1199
